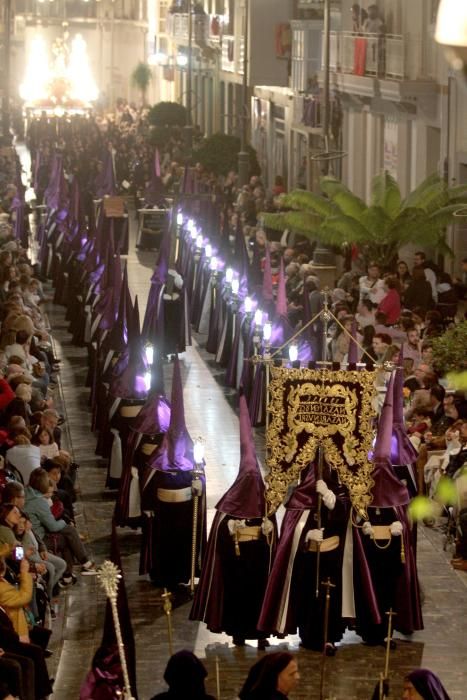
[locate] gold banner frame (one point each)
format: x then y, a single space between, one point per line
335 409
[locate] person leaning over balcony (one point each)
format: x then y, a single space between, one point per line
359 17
374 23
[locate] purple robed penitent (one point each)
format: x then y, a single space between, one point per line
388 492
278 616
245 501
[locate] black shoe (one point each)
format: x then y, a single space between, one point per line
263 644
238 641
47 653
330 649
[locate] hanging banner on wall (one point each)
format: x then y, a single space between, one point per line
330 408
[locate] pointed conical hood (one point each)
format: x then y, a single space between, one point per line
176 451
304 495
267 277
118 336
281 300
128 376
245 498
154 417
352 357
387 491
402 450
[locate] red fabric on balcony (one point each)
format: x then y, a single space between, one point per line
359 59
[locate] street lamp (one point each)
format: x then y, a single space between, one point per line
451 32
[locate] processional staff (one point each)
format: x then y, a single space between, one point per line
197 491
328 585
385 676
325 316
109 576
167 604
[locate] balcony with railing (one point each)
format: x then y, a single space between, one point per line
387 57
232 54
206 28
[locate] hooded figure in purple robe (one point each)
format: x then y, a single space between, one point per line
427 684
384 545
240 548
170 485
291 601
146 433
128 391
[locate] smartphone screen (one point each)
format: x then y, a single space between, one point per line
19 553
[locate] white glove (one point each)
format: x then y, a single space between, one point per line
396 528
235 525
328 496
197 487
367 529
267 527
314 535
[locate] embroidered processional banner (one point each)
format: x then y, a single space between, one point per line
311 408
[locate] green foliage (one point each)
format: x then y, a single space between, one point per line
141 77
338 217
167 114
449 350
219 154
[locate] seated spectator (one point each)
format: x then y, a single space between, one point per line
390 304
371 285
365 313
43 438
381 342
23 456
411 348
440 420
57 534
13 600
20 405
419 292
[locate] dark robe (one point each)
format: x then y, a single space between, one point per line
393 577
290 601
232 586
172 527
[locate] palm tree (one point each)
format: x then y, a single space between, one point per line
379 229
141 78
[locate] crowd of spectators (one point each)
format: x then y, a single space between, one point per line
39 542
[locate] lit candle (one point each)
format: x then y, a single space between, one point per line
198 452
213 264
258 317
293 353
208 250
267 331
229 275
248 305
235 286
149 352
